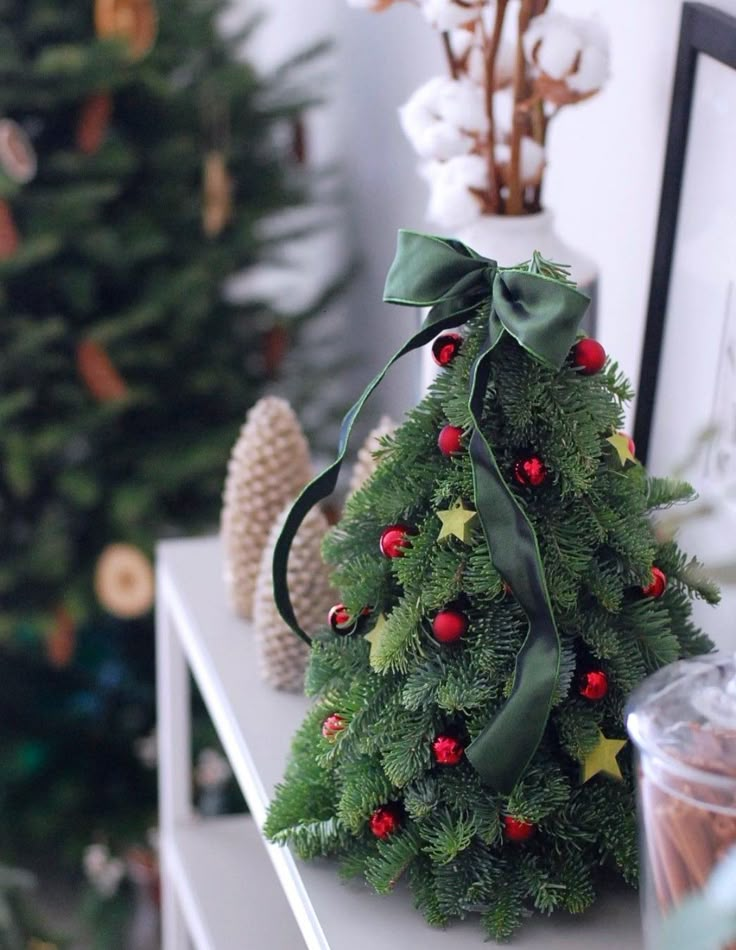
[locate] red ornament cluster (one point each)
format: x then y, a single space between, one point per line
395 540
658 584
446 347
449 625
530 471
515 829
450 440
385 821
588 356
333 726
447 750
594 685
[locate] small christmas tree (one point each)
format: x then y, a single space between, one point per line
468 733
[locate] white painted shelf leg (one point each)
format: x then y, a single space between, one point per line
174 755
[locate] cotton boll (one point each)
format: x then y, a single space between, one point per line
592 71
463 103
448 15
505 64
552 43
443 117
451 203
374 5
570 55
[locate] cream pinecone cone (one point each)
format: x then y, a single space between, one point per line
366 463
282 656
268 467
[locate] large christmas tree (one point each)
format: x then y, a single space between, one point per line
142 165
503 590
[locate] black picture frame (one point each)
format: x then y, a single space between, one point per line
704 31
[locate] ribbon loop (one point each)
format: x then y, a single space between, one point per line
542 315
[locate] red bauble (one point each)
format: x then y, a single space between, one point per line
450 440
385 821
339 618
449 625
588 356
530 471
447 750
333 725
658 584
517 830
395 540
446 347
632 446
594 684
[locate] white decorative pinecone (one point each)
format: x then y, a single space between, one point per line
268 467
366 463
282 656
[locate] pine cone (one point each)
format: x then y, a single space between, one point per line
282 656
268 467
366 463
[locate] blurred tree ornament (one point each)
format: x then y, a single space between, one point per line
275 345
447 750
217 207
450 440
385 821
375 638
517 830
445 348
394 540
588 356
61 640
594 685
98 372
93 122
124 582
602 759
457 521
269 465
17 156
282 657
624 446
366 461
530 471
657 585
9 236
135 21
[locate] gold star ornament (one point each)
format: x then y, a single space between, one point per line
624 447
375 638
457 521
602 759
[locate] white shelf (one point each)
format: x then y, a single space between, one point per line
222 875
256 724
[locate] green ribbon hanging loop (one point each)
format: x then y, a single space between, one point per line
543 316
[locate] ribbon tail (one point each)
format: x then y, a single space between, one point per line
503 750
444 316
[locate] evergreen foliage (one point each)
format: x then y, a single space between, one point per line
113 252
598 547
114 256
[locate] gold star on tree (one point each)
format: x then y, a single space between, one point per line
375 637
457 521
603 759
622 444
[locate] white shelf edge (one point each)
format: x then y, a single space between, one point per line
226 725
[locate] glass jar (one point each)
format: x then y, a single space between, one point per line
683 722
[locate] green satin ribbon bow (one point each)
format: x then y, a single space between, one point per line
543 315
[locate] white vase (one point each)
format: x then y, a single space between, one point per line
511 239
